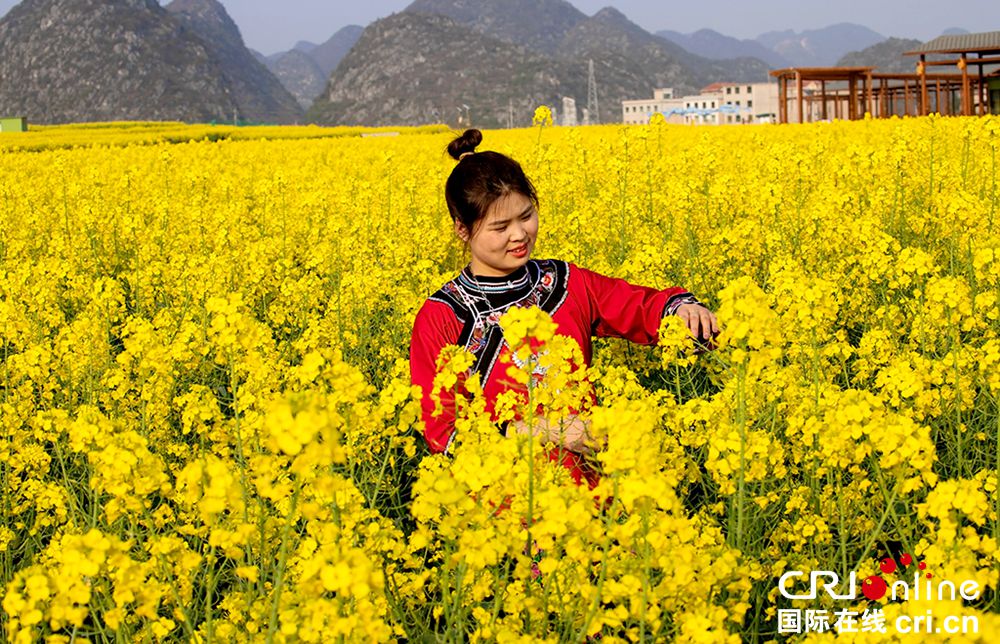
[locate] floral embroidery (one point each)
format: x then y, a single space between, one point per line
481 333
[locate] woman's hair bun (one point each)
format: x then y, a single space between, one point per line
468 142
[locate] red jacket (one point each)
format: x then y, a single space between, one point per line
582 304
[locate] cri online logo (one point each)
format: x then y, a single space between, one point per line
875 586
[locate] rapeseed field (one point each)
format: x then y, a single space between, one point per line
208 432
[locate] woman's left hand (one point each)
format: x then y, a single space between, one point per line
700 322
573 433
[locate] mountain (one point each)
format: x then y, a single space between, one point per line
954 31
305 69
259 96
712 44
617 45
99 60
420 68
416 67
819 47
608 36
300 75
261 58
538 25
887 56
553 39
329 54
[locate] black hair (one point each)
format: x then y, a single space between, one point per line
480 178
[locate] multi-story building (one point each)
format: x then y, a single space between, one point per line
717 104
702 108
749 102
638 112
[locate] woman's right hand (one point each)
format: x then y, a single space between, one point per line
701 323
571 433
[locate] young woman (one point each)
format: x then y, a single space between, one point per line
494 208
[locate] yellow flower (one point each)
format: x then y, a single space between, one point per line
542 116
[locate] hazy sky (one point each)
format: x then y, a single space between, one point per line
275 25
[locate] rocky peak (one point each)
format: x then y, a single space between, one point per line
502 58
537 24
88 60
300 75
259 95
329 54
610 21
208 18
101 60
421 68
613 16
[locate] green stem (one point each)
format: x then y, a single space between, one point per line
596 601
209 590
907 538
841 527
530 414
455 617
877 531
645 574
996 503
279 579
741 419
993 188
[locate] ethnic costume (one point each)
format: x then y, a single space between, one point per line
582 303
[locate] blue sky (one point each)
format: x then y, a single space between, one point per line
271 25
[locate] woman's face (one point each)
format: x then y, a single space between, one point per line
503 239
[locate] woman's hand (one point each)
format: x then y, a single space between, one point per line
571 433
700 322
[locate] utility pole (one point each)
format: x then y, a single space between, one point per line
510 113
595 113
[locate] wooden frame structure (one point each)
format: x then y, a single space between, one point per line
852 76
915 95
985 46
849 93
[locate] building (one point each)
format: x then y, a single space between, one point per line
808 94
717 104
638 112
568 111
978 91
852 92
702 108
748 102
19 124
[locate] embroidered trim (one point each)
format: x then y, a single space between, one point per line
677 301
450 440
481 334
464 279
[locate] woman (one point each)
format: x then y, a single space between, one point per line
494 208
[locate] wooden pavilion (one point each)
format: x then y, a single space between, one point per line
830 102
980 93
821 93
850 92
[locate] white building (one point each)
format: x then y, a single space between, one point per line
717 104
749 102
638 112
702 108
569 111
